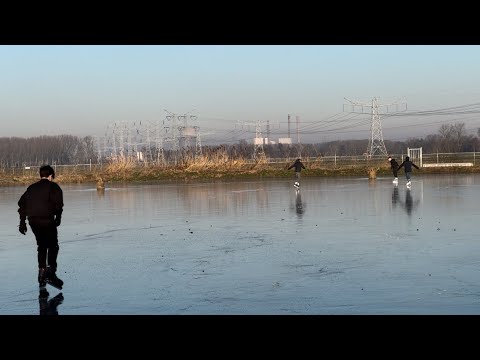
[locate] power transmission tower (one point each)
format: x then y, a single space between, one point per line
114 144
174 137
98 145
129 141
268 132
148 148
159 143
122 143
297 119
111 137
187 133
375 141
198 142
289 125
258 151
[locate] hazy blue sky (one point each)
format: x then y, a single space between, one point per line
80 90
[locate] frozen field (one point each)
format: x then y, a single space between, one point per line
338 246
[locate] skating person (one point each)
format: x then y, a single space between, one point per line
394 166
407 165
42 204
298 168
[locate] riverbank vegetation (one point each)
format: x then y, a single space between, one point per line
219 167
80 160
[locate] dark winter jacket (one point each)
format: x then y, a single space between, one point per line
407 165
394 164
43 198
297 165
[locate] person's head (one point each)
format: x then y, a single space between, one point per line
389 158
297 160
407 158
46 171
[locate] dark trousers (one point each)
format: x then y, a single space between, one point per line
395 172
46 234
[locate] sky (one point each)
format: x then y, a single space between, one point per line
230 91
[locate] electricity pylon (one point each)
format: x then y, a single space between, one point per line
375 142
258 151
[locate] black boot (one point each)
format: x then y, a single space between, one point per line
42 277
52 278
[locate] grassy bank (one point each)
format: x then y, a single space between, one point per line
126 171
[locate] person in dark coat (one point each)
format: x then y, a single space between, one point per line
394 167
42 204
407 165
298 168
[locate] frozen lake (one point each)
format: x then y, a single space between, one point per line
338 246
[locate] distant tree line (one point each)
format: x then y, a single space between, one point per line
35 151
449 139
69 150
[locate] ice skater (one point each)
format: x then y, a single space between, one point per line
42 205
394 166
298 165
407 166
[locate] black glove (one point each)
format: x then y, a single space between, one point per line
22 227
58 220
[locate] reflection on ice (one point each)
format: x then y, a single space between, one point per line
298 203
408 204
49 306
360 247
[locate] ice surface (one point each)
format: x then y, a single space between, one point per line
336 246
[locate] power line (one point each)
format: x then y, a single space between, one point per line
375 142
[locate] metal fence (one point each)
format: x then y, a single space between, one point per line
425 160
27 170
327 162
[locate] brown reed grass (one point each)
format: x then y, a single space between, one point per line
215 165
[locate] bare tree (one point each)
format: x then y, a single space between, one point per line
452 137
